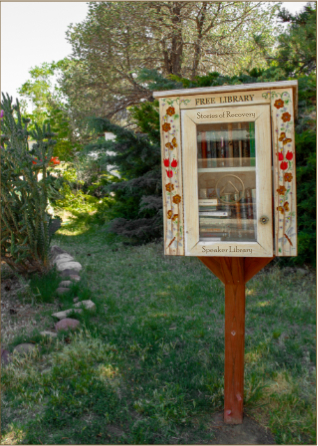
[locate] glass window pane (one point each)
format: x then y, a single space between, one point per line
227 182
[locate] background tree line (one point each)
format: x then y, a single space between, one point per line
107 83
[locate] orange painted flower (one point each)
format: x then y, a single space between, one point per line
176 199
166 127
280 209
170 111
169 145
286 141
288 177
281 190
169 214
282 136
175 217
286 117
169 187
279 103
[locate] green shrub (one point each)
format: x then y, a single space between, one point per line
25 222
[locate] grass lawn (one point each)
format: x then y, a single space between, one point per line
147 366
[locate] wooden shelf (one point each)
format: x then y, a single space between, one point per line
228 169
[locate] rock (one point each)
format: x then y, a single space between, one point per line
87 304
61 258
63 314
61 290
65 283
75 277
68 273
5 357
24 348
66 324
302 271
56 250
69 265
75 299
48 333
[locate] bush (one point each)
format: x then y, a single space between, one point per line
25 222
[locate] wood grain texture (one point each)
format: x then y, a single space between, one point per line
252 265
284 173
213 263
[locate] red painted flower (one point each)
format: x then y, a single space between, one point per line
286 117
170 111
280 156
284 165
279 103
289 155
166 127
166 162
174 163
169 173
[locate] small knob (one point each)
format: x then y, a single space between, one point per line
263 220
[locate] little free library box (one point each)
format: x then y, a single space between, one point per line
229 193
228 169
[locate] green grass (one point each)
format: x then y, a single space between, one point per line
147 366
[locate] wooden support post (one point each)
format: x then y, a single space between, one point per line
234 272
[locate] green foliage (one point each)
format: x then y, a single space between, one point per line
25 223
297 51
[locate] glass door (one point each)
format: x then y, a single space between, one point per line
227 181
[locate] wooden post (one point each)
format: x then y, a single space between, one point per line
234 272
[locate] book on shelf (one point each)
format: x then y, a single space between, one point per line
210 239
204 148
209 149
213 213
213 149
214 234
208 202
252 143
199 137
249 203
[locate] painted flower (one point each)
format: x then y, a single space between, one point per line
175 217
281 190
279 103
280 156
169 145
169 214
169 173
286 141
288 177
166 127
284 165
174 163
282 136
169 187
289 155
280 209
176 199
286 117
170 111
166 162
286 206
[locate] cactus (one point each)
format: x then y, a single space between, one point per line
25 235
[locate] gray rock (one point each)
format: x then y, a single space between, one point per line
48 333
5 357
75 299
87 304
69 273
67 324
62 290
65 283
56 250
75 277
69 265
61 258
24 348
63 314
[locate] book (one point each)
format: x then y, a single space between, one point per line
213 214
249 202
204 149
199 137
213 149
209 202
230 145
209 149
252 143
